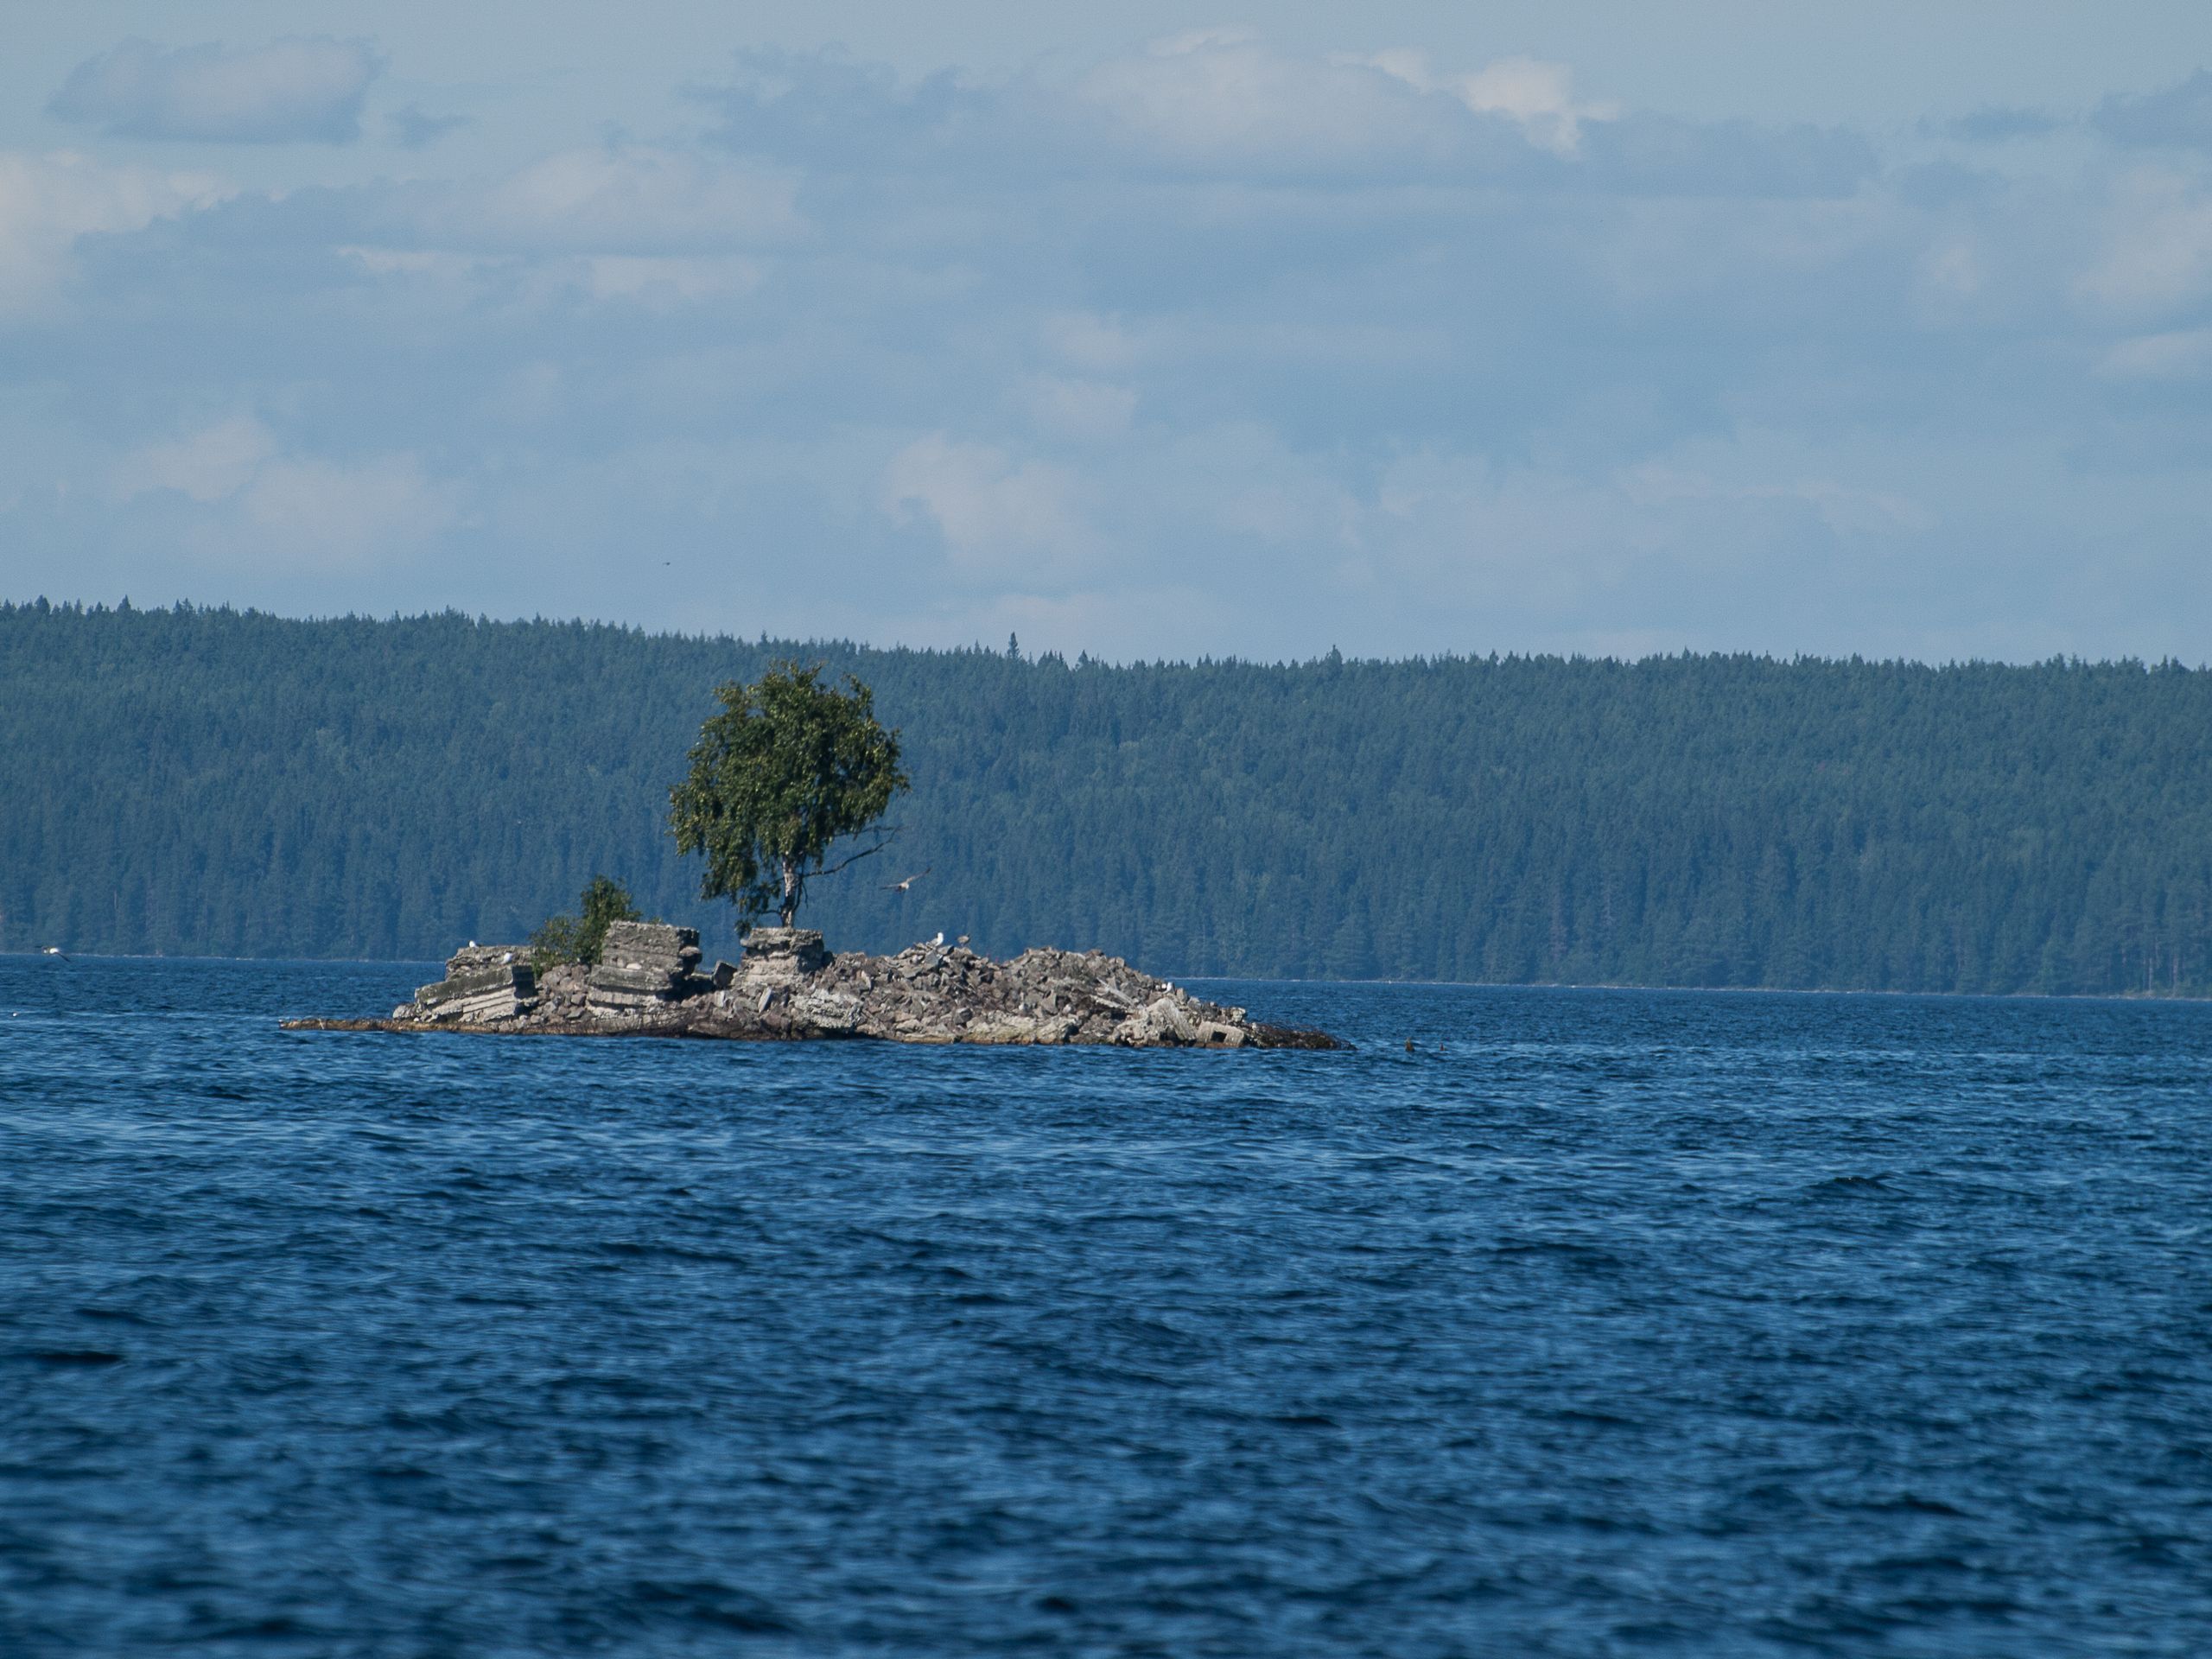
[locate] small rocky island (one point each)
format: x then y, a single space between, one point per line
649 982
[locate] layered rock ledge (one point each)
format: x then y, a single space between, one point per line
649 983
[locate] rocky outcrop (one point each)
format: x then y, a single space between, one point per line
789 987
483 984
645 965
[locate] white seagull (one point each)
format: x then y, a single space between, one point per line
940 938
901 887
56 951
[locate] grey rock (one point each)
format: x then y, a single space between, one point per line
642 966
482 982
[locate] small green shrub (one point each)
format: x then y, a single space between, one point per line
566 938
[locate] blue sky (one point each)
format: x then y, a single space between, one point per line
1416 328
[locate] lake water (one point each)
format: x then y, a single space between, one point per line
1604 1323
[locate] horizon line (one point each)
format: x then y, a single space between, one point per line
43 605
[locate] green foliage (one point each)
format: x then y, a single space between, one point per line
217 783
580 939
787 769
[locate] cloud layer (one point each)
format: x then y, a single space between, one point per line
1207 347
290 91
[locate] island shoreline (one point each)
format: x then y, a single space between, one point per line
649 982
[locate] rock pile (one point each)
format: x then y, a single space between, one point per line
933 994
483 982
789 987
646 965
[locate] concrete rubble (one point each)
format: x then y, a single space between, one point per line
789 987
644 966
483 982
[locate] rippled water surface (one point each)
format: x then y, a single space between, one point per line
1603 1323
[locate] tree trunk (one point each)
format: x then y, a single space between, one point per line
794 884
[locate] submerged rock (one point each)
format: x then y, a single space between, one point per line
788 986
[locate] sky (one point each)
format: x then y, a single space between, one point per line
1405 328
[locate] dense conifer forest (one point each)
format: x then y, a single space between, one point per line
214 782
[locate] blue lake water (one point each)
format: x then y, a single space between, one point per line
1605 1323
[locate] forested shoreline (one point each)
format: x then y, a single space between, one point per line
211 782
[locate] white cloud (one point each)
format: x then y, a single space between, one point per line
999 518
1186 42
1085 340
1538 96
331 515
1845 509
1223 99
1954 269
253 506
1353 346
293 89
631 200
1088 411
209 464
47 201
2157 245
638 198
2177 354
632 276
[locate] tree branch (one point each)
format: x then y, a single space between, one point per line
889 836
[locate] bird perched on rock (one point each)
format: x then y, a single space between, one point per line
962 939
940 938
901 887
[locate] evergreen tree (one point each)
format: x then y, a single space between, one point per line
201 781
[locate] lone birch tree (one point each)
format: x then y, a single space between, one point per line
789 768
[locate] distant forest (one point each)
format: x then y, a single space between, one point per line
194 781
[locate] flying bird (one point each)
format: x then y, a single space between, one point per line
56 951
901 887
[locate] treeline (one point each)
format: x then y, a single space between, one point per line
216 782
